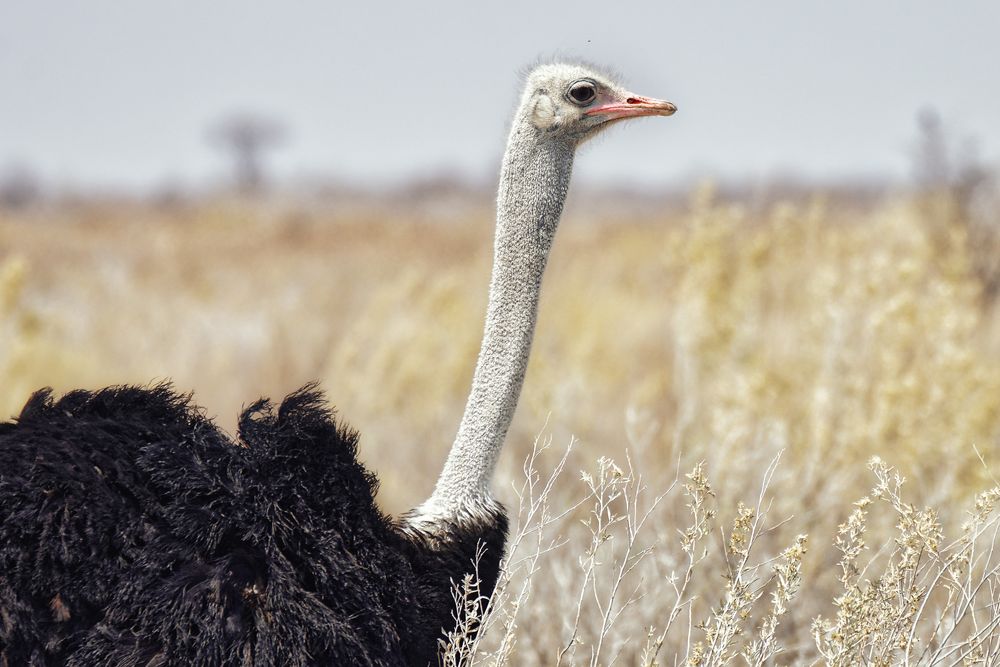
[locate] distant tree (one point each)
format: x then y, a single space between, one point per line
19 187
949 171
944 163
931 167
246 137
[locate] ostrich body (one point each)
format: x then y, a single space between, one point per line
135 532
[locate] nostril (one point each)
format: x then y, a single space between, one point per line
633 100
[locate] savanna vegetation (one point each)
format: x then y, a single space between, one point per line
749 435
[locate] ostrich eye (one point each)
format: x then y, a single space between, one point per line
582 92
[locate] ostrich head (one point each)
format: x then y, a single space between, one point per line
575 102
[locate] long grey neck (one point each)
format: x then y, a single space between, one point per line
533 183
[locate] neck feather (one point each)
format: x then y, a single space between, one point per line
533 183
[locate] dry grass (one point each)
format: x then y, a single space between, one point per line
743 370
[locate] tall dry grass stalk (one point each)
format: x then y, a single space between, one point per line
695 351
915 598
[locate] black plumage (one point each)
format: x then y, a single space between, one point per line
136 532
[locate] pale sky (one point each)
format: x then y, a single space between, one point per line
119 94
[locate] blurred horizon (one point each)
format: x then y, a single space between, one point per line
112 100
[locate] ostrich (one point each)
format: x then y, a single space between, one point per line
136 532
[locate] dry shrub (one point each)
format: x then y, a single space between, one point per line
647 589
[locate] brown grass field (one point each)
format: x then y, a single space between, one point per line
726 379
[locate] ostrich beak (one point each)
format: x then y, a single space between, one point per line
633 106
